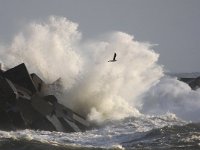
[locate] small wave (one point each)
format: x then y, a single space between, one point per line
169 137
112 135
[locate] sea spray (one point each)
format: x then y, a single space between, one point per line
90 84
171 95
47 48
112 90
85 81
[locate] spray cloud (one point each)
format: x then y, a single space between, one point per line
91 85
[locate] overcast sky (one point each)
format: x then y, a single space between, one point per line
172 24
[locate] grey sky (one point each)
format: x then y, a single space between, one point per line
173 24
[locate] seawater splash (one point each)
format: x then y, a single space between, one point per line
91 85
48 48
112 90
171 95
131 86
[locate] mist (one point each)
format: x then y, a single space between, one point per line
90 85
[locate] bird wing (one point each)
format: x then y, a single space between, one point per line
114 56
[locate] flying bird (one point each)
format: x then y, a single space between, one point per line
113 60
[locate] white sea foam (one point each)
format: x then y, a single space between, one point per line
171 95
89 83
111 136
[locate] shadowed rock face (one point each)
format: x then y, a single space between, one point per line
194 83
24 105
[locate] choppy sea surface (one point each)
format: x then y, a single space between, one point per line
147 132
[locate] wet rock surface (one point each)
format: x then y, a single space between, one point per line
23 104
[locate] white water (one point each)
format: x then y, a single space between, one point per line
131 86
112 136
171 95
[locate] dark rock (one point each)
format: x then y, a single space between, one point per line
194 83
24 105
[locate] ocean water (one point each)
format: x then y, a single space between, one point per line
165 132
131 103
